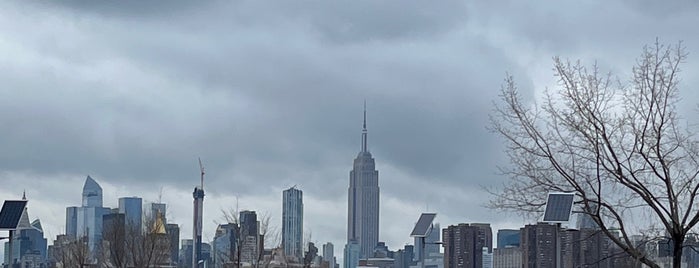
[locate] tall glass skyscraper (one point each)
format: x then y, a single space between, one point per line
89 216
132 207
292 222
363 200
92 193
72 222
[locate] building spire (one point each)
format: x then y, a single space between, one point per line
364 131
24 195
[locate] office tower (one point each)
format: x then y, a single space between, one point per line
292 222
92 193
431 243
249 234
132 208
89 216
508 238
159 209
29 246
72 222
198 216
363 200
507 257
463 244
329 254
224 244
173 232
351 258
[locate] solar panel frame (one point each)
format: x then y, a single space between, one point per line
11 213
559 206
422 227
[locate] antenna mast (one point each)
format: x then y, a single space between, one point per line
201 168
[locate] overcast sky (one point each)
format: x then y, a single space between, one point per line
270 94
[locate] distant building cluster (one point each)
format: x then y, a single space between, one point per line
139 235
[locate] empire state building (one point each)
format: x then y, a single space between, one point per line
363 201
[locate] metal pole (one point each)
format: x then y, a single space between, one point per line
422 252
10 245
558 245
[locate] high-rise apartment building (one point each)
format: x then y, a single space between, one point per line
292 222
363 200
463 244
538 243
507 257
132 208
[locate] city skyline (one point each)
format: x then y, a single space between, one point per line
270 96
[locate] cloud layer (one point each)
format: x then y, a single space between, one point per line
270 95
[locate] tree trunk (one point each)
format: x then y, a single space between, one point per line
677 251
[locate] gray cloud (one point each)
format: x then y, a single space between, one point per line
270 95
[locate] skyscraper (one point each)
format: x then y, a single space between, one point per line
363 200
292 222
92 193
132 208
464 244
250 237
198 216
72 222
538 243
329 254
89 216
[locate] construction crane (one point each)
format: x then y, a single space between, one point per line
201 168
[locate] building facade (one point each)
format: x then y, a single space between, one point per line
329 254
292 222
132 208
508 238
363 200
89 216
507 257
351 259
463 244
29 246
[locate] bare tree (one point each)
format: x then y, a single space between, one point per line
126 244
620 147
71 252
266 234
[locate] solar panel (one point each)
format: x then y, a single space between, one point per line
558 207
423 225
11 213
